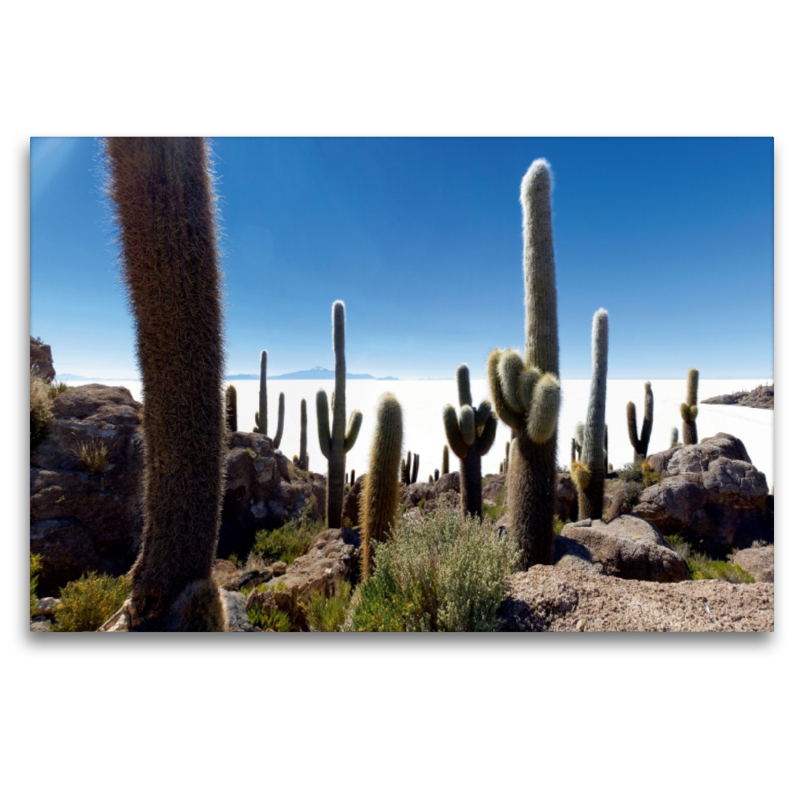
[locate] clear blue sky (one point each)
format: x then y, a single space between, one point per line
421 239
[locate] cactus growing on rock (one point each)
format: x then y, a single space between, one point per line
303 459
594 456
470 433
379 497
689 408
231 417
445 460
336 442
261 414
640 444
162 192
527 393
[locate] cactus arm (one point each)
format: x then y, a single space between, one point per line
527 385
486 439
514 421
545 403
633 433
647 422
466 423
353 428
453 433
579 431
510 368
462 381
281 412
482 413
323 423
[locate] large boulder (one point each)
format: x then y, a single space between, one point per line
711 493
84 519
569 598
758 561
42 361
627 547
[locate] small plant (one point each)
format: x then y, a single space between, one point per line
235 560
92 454
443 573
36 565
274 619
88 602
328 613
558 525
41 414
290 540
650 476
704 568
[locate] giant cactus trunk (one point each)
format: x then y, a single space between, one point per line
593 457
527 393
338 441
165 207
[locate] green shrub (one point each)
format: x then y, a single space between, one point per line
56 389
41 414
274 619
442 573
290 540
88 602
92 454
36 565
704 568
558 525
328 613
649 475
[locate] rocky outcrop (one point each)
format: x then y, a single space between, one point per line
760 397
86 519
759 562
627 547
711 493
263 491
42 361
568 598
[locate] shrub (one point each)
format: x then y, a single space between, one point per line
442 573
703 568
272 619
92 454
290 540
558 525
41 413
55 389
88 602
328 613
649 475
36 565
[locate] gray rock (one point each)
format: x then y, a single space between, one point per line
42 361
759 562
236 607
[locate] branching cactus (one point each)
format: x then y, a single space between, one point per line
470 432
527 392
336 442
163 195
303 460
261 414
641 443
231 417
591 476
689 408
379 497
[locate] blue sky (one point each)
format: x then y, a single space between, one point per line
421 238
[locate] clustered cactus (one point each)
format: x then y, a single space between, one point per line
470 432
689 408
589 472
336 442
641 443
409 469
527 392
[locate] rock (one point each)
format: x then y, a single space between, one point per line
627 547
760 397
236 609
81 520
711 493
42 361
226 575
568 598
759 562
566 500
279 568
332 557
493 489
253 577
40 625
449 482
46 607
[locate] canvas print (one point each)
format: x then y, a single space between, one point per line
401 385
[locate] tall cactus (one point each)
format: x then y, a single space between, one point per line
163 195
470 433
689 408
303 460
673 437
640 444
527 393
445 460
335 443
231 417
380 494
589 473
261 414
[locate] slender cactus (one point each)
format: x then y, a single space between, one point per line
231 419
380 494
445 460
640 444
336 443
415 469
163 195
470 433
594 458
673 438
303 460
689 408
435 475
261 414
527 393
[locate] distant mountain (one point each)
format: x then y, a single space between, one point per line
68 376
317 373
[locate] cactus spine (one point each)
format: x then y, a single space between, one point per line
689 408
303 460
445 460
594 457
335 443
640 444
163 195
527 393
380 494
231 418
261 414
470 433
